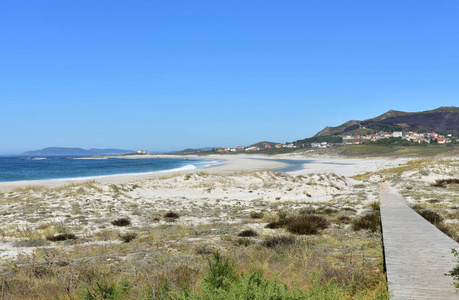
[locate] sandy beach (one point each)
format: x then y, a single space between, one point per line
242 180
241 184
128 223
233 164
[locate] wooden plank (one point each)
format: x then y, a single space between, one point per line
417 255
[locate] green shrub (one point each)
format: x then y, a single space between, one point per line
121 222
275 241
303 223
61 237
220 274
443 182
307 224
445 229
256 215
102 289
254 286
370 221
375 206
171 215
243 241
128 237
344 219
430 216
455 271
248 233
349 209
327 210
276 224
435 219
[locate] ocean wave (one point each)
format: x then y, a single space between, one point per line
33 158
212 163
93 158
184 168
58 169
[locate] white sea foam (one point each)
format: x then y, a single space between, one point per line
213 163
88 157
184 168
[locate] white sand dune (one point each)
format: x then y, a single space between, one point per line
233 164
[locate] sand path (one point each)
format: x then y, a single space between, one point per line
418 256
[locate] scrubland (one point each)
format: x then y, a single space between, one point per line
195 236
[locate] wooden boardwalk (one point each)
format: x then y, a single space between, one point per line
417 255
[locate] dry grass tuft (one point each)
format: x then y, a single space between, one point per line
128 237
275 241
431 216
307 224
256 215
248 233
121 222
444 182
171 215
302 223
369 221
61 237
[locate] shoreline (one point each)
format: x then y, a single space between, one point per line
232 164
211 163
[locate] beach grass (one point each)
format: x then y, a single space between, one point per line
88 241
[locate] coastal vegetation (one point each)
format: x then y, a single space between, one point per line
379 148
209 236
455 271
442 119
370 221
320 139
430 186
397 141
120 243
366 150
122 222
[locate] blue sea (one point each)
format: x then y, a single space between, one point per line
41 168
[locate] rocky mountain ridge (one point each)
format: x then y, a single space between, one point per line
442 119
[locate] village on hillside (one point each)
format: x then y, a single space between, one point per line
255 148
416 137
412 136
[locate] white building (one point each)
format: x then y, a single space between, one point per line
142 151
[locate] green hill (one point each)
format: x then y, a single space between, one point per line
442 119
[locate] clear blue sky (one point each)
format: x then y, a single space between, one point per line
167 75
